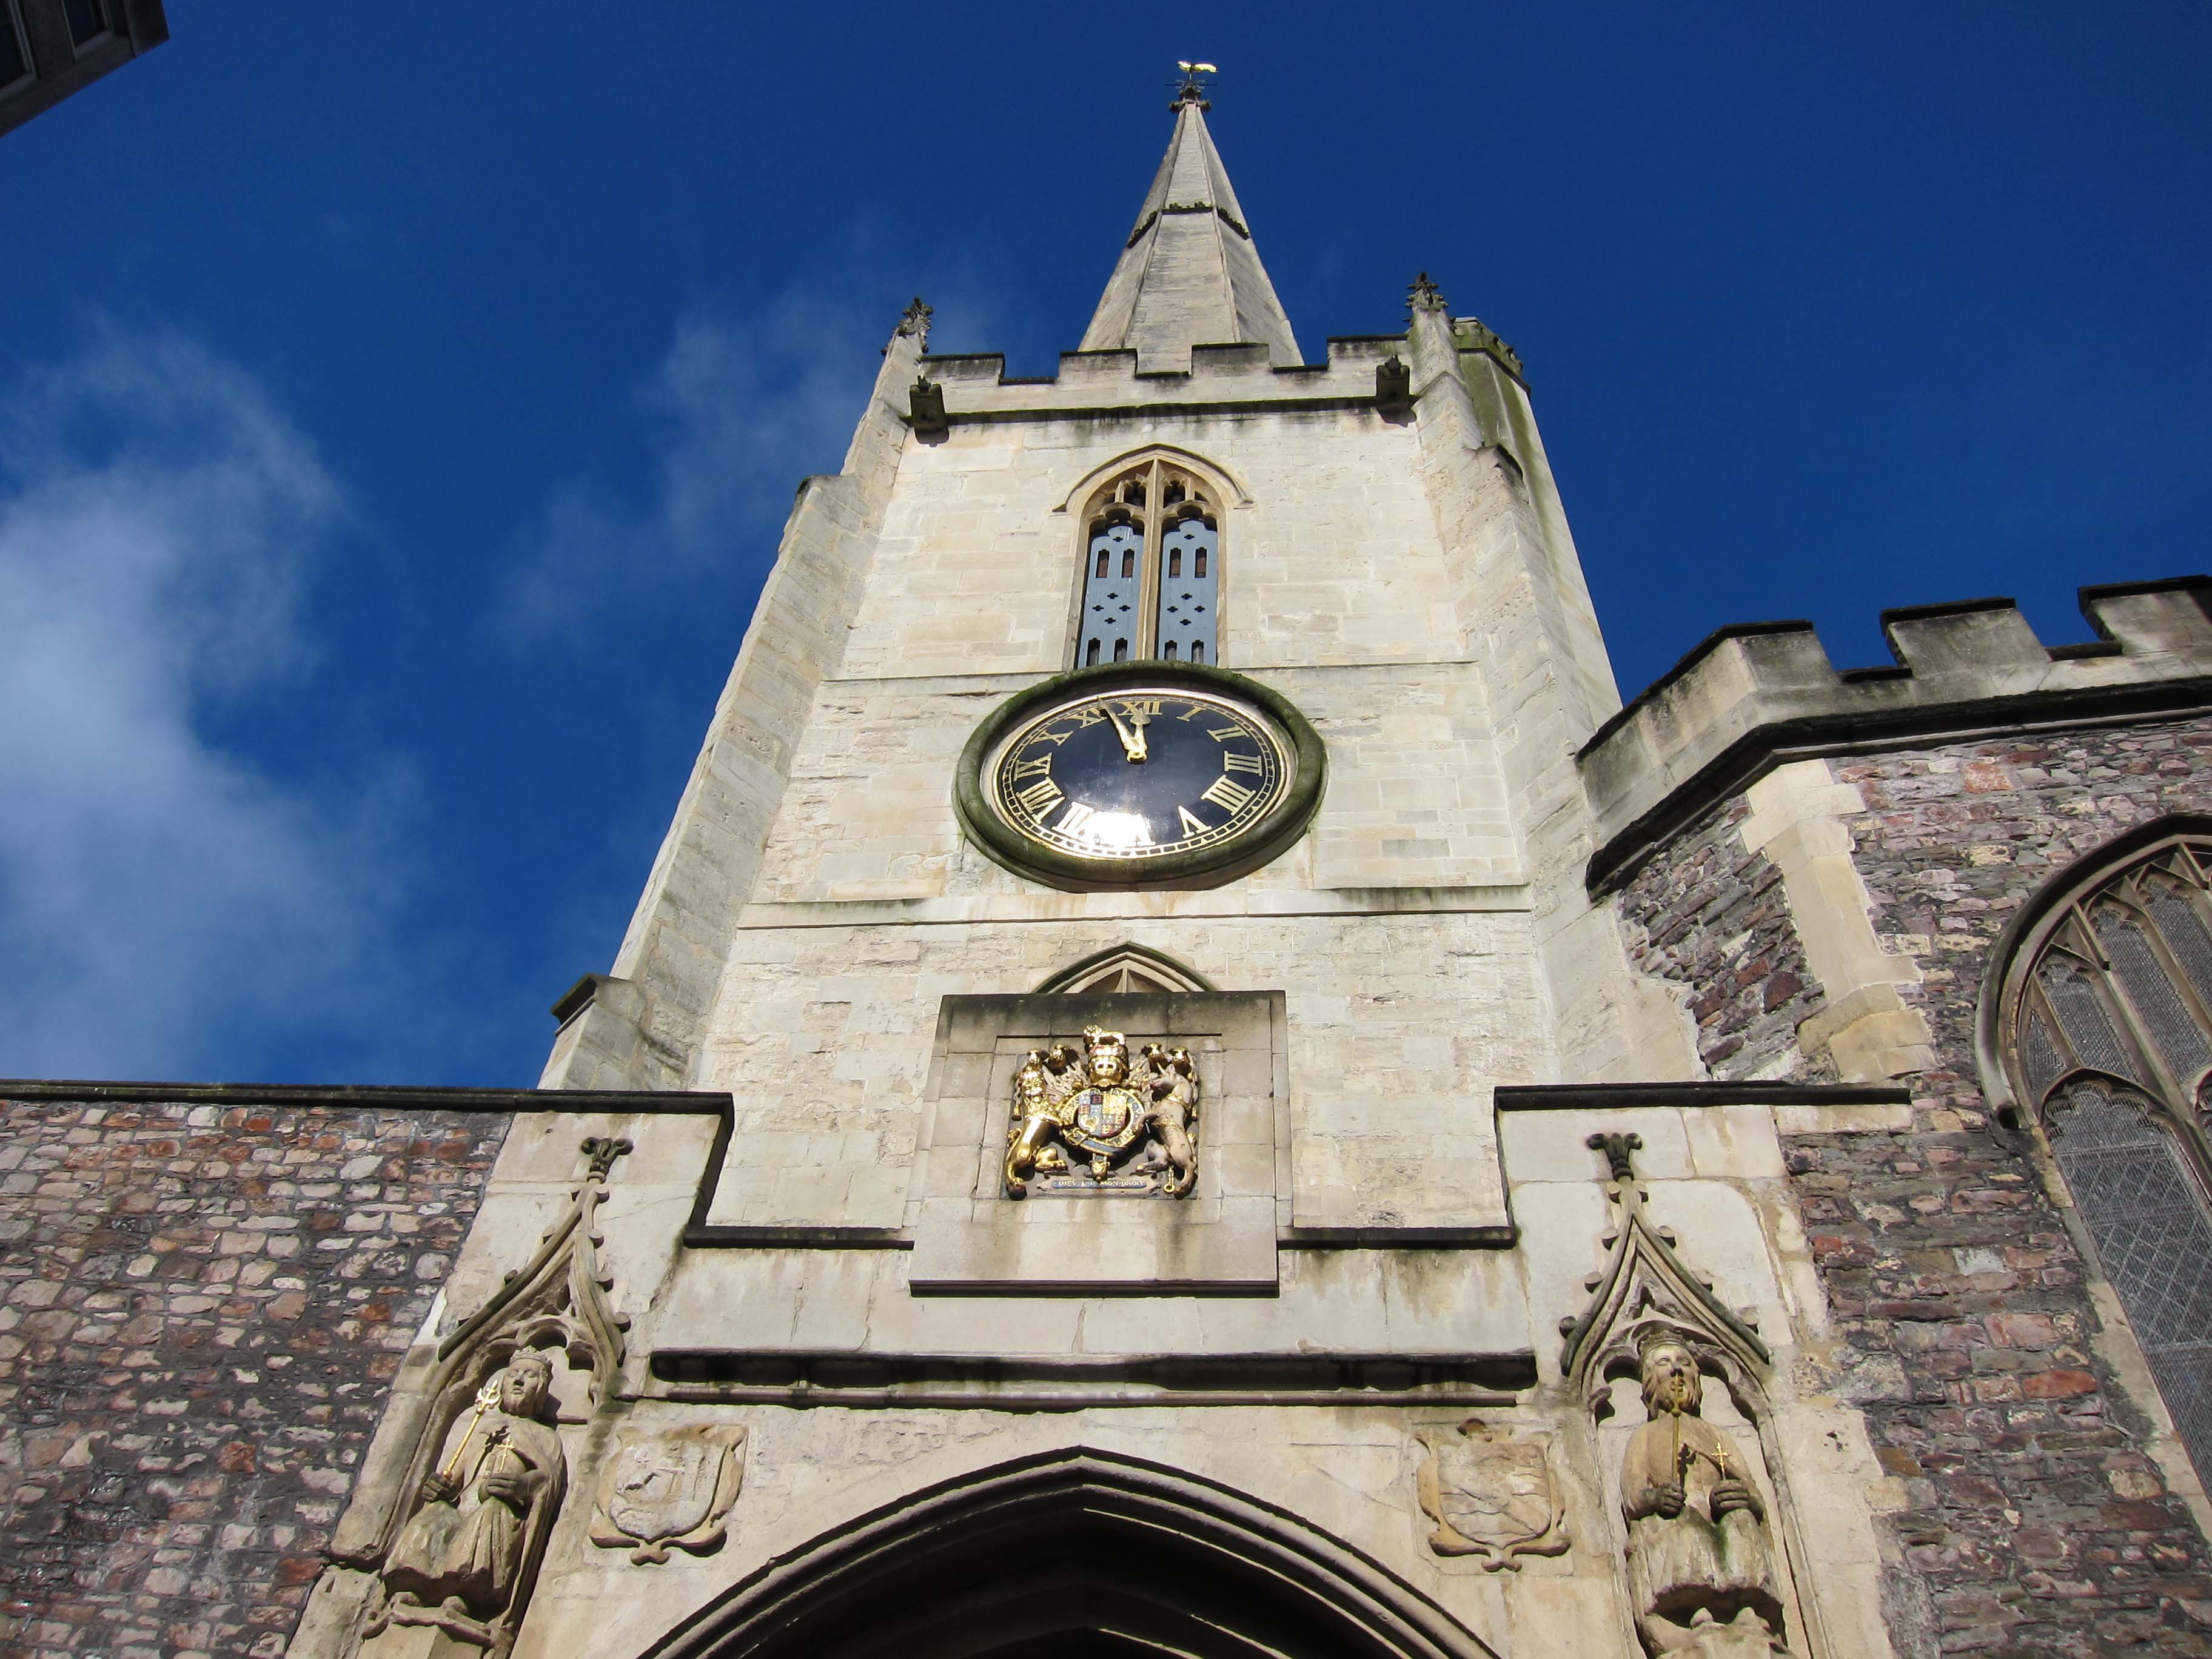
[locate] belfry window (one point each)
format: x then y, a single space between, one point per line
2106 1029
1152 580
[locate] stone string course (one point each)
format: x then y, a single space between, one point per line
202 1308
2032 1522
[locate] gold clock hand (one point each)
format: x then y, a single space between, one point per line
1132 745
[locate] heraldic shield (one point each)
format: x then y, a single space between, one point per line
669 1490
1490 1495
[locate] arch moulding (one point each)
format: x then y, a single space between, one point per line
2020 943
1064 1545
1229 490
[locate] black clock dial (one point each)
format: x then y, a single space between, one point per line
1140 774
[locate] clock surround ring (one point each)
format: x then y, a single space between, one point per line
1260 843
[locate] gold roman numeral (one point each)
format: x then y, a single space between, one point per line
1056 739
1224 733
1033 768
1191 826
1072 821
1228 796
1148 706
1039 798
1240 764
1191 712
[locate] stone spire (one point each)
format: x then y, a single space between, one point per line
1190 275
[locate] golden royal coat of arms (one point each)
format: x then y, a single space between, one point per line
1099 1121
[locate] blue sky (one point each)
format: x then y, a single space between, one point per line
397 416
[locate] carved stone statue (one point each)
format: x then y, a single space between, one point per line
1699 1564
1093 1122
462 1557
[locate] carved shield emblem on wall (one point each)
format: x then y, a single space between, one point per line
1489 1494
669 1490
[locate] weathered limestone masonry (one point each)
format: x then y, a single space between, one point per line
1489 1173
2039 1501
204 1298
896 1351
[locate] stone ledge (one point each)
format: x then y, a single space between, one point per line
1753 691
800 1377
390 1095
1598 1096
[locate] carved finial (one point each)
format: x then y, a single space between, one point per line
603 1151
1425 295
1191 82
914 321
1616 1147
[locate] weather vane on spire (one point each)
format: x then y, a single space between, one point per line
1191 82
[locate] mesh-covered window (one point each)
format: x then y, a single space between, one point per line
2141 1203
1151 572
2108 1036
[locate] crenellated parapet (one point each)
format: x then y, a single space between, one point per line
977 389
1754 693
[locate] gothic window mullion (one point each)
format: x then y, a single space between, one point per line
1148 586
2134 1028
2176 972
2173 1094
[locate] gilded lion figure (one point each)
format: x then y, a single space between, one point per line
1095 1115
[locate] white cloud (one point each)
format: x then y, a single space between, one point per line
166 904
739 410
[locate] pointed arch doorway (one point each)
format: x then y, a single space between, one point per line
1077 1553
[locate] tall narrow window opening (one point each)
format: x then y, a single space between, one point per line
1151 583
2105 1027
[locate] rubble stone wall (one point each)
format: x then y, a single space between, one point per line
1710 915
202 1308
2031 1517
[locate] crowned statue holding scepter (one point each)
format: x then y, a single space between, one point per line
483 1510
1699 1563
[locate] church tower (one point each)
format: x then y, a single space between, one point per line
1124 1115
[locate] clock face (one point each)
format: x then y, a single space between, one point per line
1149 772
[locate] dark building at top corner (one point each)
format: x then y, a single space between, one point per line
50 49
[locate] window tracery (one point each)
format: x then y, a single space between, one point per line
1125 971
2105 1027
1152 570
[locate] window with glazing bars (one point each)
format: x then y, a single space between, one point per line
2107 1028
1151 575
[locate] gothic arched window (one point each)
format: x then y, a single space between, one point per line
1152 580
2105 1030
